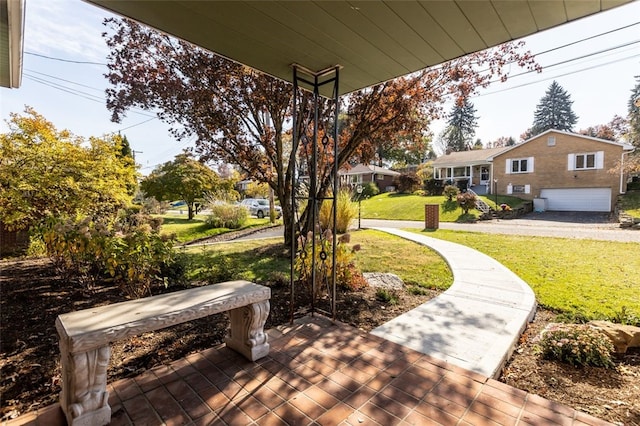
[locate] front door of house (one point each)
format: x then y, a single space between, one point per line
484 175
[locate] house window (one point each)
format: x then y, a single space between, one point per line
462 171
585 161
521 165
551 141
518 189
356 179
379 177
441 173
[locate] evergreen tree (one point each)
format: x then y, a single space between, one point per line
554 111
634 114
461 127
125 149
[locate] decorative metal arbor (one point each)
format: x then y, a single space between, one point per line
314 181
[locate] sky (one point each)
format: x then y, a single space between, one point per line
596 70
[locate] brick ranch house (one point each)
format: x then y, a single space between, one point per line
361 174
559 170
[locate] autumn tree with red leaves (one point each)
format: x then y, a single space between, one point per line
242 117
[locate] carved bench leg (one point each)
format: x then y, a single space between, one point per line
84 397
247 334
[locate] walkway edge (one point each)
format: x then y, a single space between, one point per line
477 322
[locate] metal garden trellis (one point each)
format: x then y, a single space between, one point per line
309 151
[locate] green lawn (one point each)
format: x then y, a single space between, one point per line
411 207
196 228
265 260
583 278
630 203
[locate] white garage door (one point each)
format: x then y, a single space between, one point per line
578 199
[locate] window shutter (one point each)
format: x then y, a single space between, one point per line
509 189
527 189
571 162
530 164
508 170
600 160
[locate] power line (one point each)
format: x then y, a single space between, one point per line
76 92
559 75
66 81
587 38
64 60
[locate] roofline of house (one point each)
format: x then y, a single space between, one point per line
624 146
376 169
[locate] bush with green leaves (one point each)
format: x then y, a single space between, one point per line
222 268
129 249
369 189
433 186
227 216
450 191
576 344
387 296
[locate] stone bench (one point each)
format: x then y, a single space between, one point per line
85 336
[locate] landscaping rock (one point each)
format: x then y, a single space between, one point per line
622 336
384 280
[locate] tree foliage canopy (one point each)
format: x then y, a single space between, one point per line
242 117
184 178
45 172
554 111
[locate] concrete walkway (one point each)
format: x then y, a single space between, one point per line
477 322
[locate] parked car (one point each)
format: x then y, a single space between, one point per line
259 207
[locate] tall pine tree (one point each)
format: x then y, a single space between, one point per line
554 111
634 114
461 127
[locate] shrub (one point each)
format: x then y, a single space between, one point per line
433 187
128 248
369 189
466 201
36 248
227 216
450 191
386 296
420 192
152 206
222 268
347 273
347 212
408 182
576 344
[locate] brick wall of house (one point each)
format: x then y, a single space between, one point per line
551 165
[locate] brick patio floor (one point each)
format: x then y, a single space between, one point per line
319 373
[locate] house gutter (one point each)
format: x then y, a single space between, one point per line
622 169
